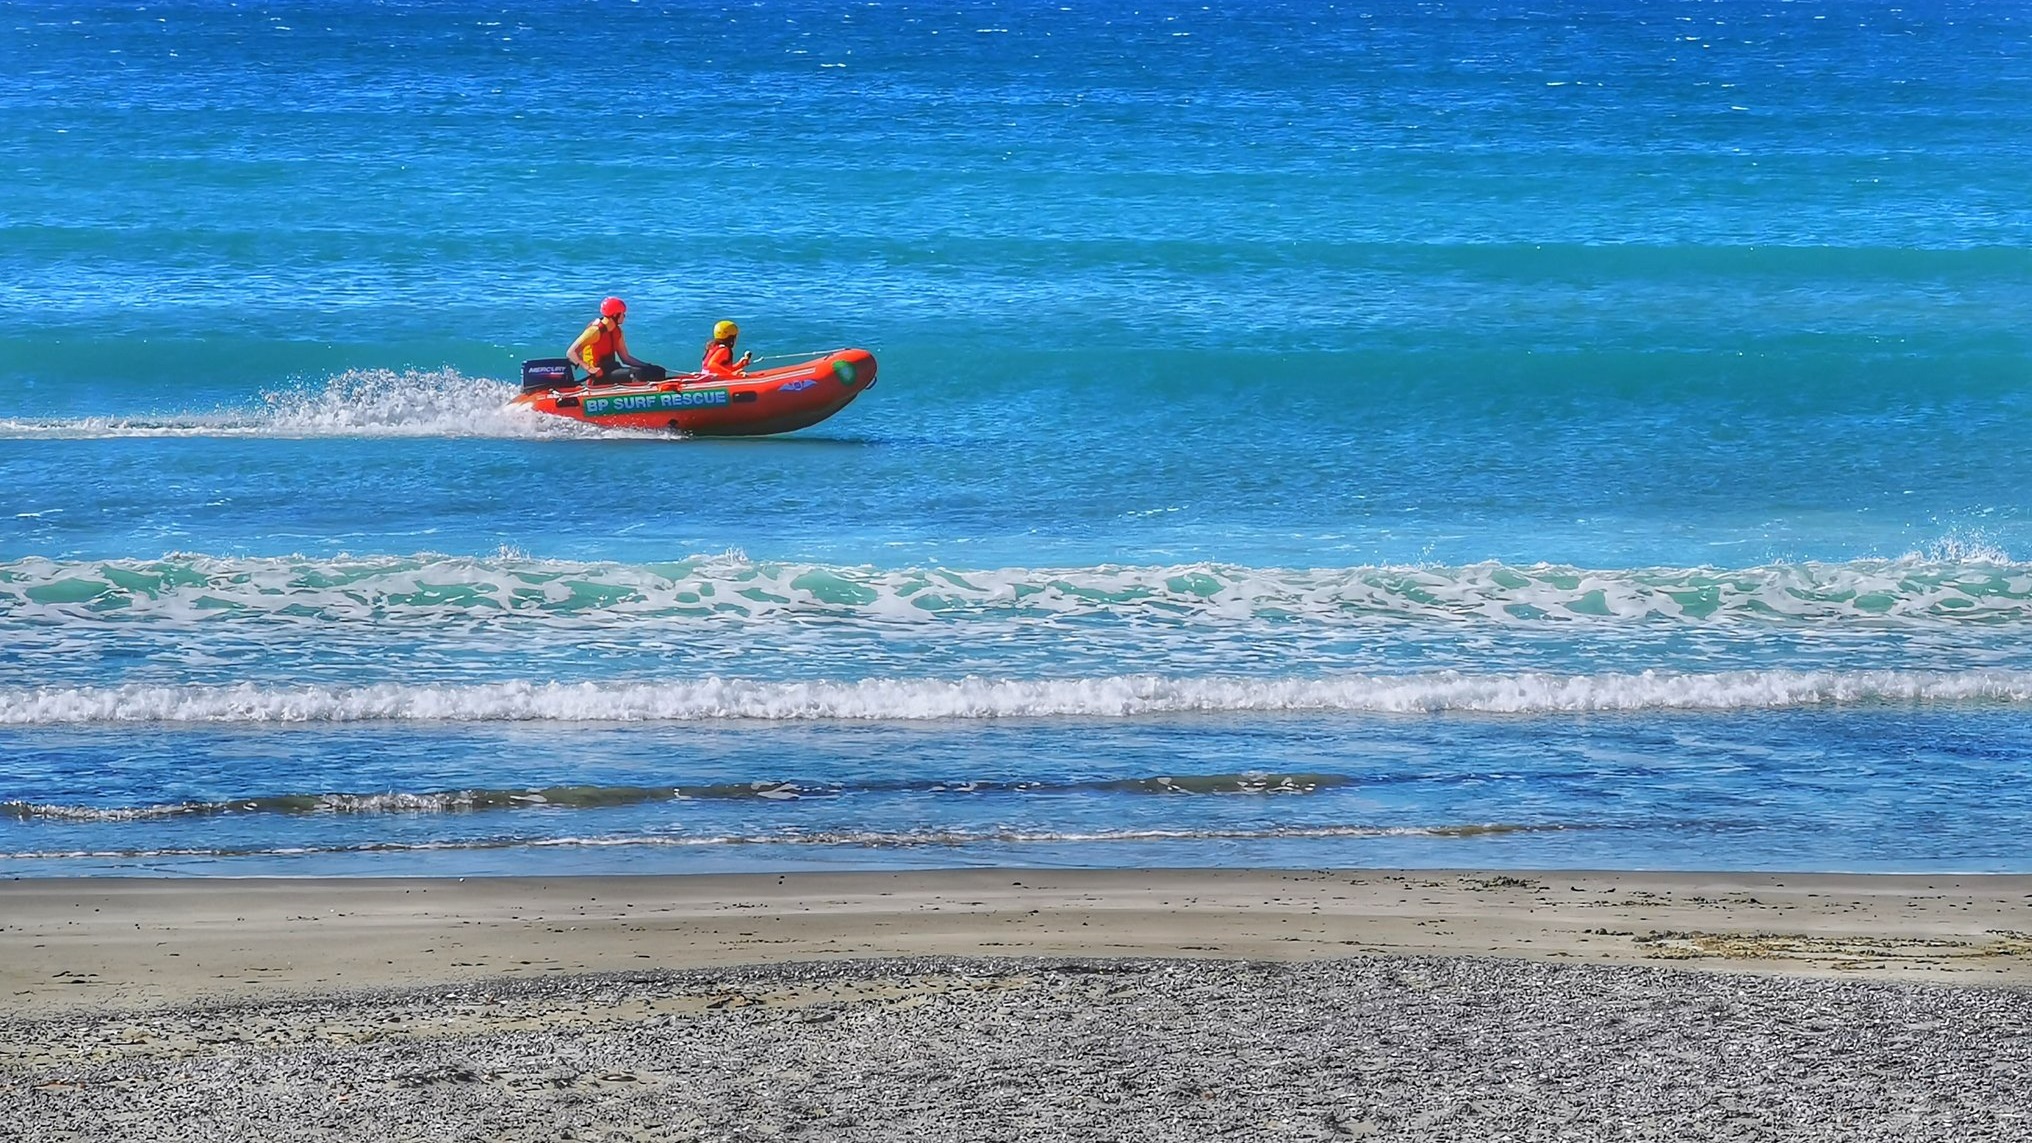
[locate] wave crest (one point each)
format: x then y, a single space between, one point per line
1122 696
551 798
866 838
428 589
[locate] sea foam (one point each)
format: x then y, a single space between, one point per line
427 589
1123 696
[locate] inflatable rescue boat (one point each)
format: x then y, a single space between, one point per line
756 404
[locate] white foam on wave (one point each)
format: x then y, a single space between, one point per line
428 589
360 402
1962 546
1119 696
394 801
869 839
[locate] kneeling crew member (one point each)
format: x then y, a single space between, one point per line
719 360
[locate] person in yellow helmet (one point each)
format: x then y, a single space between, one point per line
719 360
603 353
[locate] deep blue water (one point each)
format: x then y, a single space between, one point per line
1408 433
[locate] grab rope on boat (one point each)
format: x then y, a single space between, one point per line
798 356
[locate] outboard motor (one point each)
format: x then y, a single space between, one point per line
547 373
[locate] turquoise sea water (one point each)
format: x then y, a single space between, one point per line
1449 434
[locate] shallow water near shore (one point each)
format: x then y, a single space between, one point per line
1574 438
1773 790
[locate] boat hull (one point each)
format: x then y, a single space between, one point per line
759 404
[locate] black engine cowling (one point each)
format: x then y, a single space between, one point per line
547 373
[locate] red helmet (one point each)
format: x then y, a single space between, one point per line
613 307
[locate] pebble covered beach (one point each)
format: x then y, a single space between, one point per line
1023 1049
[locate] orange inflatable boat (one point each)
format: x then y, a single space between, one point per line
762 402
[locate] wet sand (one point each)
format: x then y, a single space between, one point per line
130 943
1020 1004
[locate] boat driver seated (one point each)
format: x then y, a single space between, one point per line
603 352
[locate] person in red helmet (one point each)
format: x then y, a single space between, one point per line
603 352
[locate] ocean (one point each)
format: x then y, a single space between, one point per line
1441 434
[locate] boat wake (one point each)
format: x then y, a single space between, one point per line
357 403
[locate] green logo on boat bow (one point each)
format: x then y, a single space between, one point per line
846 372
625 404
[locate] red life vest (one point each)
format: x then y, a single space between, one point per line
719 360
605 345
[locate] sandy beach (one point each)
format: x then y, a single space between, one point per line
125 944
1020 1004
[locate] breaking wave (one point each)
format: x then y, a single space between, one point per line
1121 696
1256 783
429 589
854 838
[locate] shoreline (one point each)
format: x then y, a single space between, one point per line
136 944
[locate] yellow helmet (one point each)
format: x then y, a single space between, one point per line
724 330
